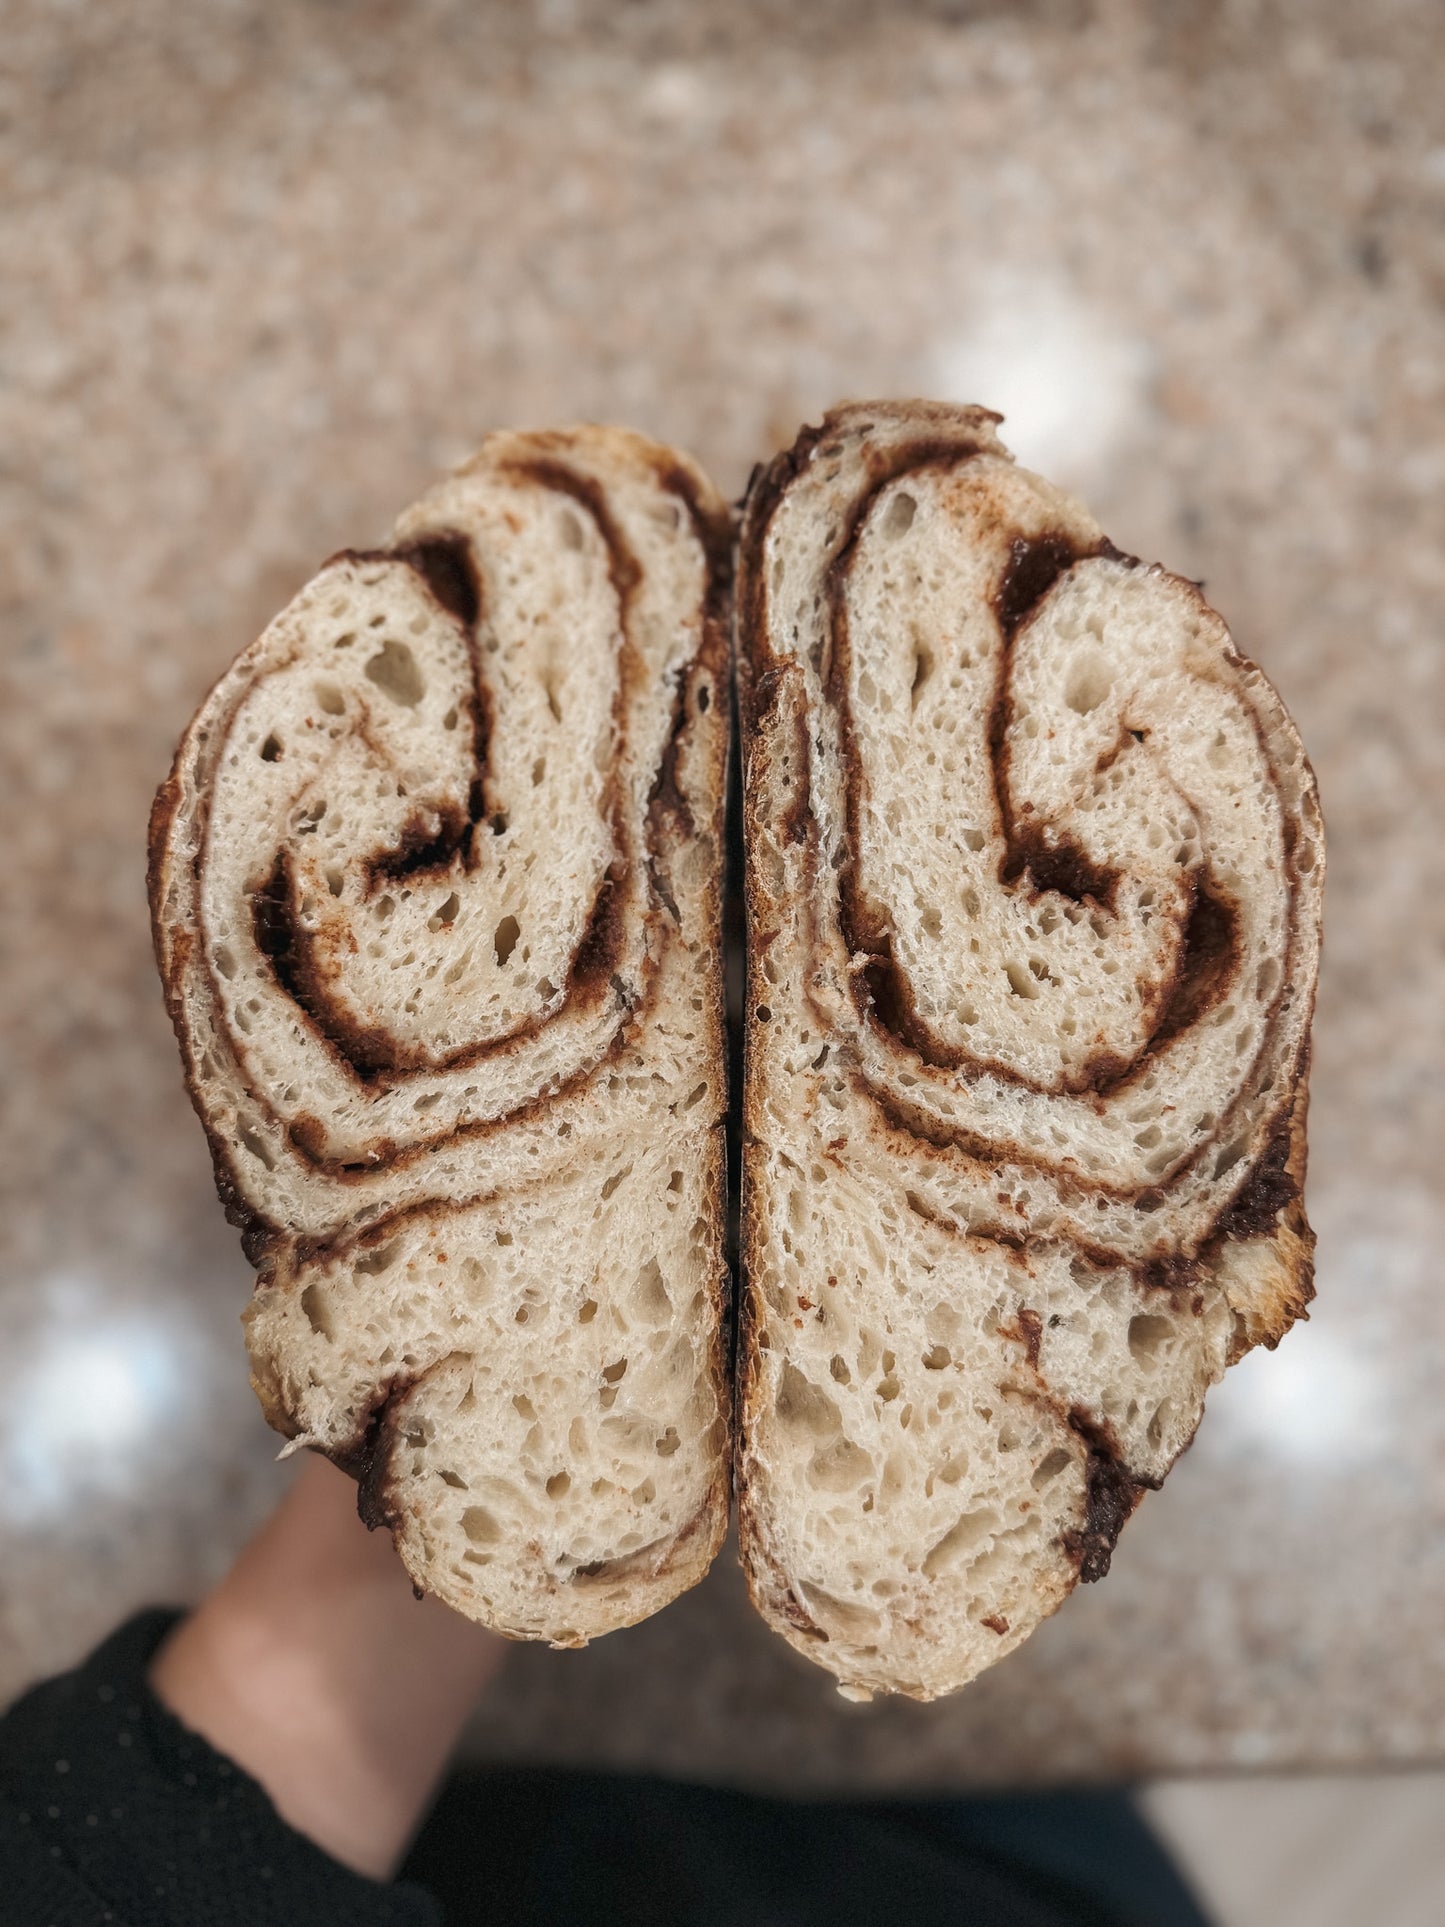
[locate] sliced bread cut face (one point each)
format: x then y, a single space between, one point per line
436 893
1034 863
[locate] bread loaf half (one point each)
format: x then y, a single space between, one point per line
435 883
1034 864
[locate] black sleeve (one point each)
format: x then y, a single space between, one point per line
113 1812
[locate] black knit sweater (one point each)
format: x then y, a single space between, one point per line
113 1812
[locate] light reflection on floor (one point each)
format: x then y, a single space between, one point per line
1335 1395
1316 1399
100 1403
1068 380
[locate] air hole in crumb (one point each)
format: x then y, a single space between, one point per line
557 1485
1047 1470
447 914
382 1259
614 1372
524 1407
1021 980
936 1358
271 749
452 1478
570 529
395 672
587 1311
539 771
480 1526
649 1294
922 669
802 1408
899 518
971 1530
1089 683
1147 1332
668 1443
318 1312
704 697
505 940
611 1184
1230 1156
330 699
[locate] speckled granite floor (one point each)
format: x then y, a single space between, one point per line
267 269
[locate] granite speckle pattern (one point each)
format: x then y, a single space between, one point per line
268 269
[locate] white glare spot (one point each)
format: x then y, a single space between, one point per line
93 1409
1067 382
1316 1397
673 91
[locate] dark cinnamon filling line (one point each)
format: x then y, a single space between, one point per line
446 563
1029 861
433 845
1208 957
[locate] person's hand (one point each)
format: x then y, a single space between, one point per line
313 1666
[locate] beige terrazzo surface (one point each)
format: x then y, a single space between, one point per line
266 270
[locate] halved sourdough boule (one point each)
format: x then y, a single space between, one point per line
1034 863
436 893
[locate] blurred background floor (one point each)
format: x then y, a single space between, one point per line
267 269
1338 1852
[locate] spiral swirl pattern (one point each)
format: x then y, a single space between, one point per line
436 890
411 871
1034 890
